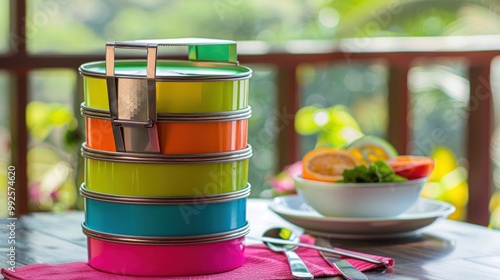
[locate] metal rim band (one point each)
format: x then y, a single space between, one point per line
232 156
147 200
236 115
184 240
192 78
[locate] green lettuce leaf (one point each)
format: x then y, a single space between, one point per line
377 172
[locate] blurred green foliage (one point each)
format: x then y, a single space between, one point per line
448 182
52 156
333 126
4 25
262 126
4 140
360 90
52 25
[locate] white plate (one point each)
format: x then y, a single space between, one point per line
425 211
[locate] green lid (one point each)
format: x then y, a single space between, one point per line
169 70
200 49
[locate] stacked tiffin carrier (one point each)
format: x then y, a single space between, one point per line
166 160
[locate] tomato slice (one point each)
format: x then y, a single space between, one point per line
411 167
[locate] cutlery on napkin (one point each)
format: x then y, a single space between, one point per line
344 267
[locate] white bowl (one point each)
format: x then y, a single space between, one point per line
359 200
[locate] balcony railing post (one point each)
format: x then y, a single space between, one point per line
398 132
288 104
19 136
18 102
480 131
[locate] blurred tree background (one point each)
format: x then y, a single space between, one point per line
438 90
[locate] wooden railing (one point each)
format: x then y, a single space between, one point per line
397 53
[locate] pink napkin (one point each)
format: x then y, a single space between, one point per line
260 263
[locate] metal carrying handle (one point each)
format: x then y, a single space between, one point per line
135 89
198 50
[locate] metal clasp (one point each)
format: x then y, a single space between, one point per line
132 103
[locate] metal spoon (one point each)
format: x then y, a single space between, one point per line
297 266
319 248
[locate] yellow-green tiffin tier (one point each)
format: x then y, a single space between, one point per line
181 86
158 175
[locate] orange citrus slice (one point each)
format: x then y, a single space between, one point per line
327 164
